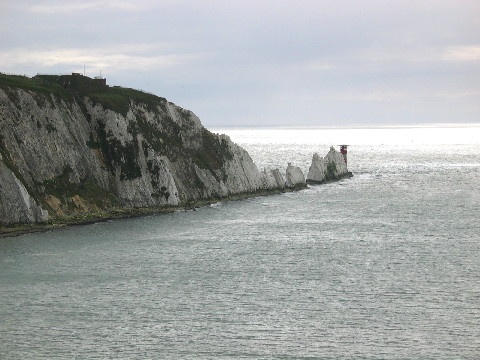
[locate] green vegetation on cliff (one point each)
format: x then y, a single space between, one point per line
85 151
73 86
167 140
156 138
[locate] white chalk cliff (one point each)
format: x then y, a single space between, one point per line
16 204
295 177
330 167
89 149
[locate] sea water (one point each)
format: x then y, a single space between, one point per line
384 265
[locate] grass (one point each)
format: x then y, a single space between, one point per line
32 84
114 98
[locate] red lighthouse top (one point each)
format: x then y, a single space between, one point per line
343 151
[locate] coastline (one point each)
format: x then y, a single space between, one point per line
125 213
347 175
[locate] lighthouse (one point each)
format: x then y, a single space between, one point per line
343 151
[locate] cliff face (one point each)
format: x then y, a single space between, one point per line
330 167
74 149
64 152
16 205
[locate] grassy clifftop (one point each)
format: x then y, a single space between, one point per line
68 87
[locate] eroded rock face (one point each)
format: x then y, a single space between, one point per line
16 204
63 154
317 170
272 179
330 167
76 155
294 177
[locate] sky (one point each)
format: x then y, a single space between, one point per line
264 63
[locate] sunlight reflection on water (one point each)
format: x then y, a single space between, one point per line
392 135
383 265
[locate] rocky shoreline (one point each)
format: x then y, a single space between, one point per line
125 213
121 213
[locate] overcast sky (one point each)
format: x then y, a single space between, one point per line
256 62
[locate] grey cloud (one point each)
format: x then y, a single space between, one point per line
262 62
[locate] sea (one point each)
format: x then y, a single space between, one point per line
383 265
